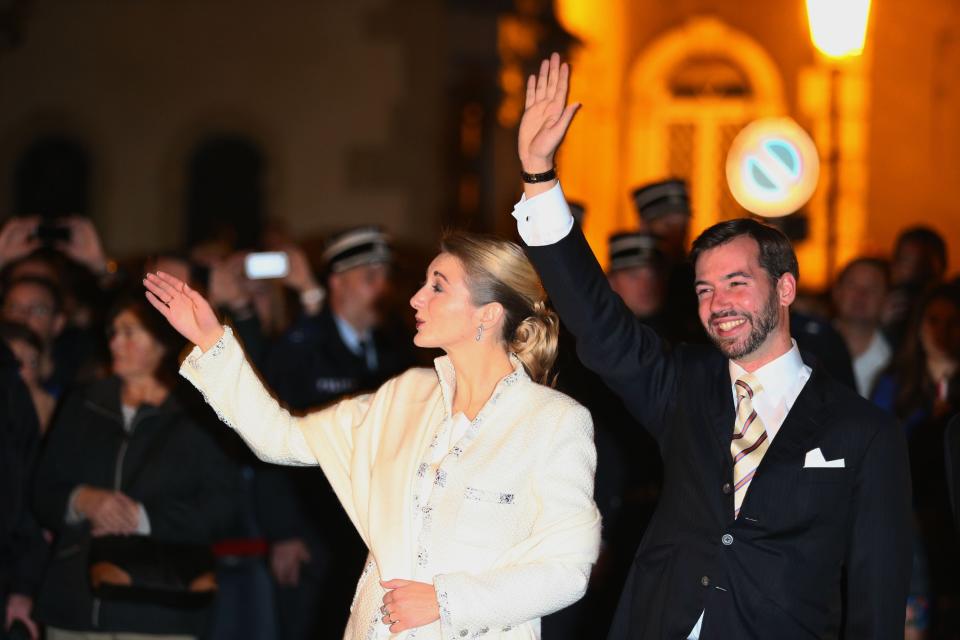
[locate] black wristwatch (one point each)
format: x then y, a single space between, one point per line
533 178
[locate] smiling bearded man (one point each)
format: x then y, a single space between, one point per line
785 509
760 328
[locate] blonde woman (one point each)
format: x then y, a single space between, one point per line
471 484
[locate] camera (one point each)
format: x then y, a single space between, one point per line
266 264
52 232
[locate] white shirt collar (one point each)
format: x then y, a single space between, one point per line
777 376
781 381
870 363
447 377
349 335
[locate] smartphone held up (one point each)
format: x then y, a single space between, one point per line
266 265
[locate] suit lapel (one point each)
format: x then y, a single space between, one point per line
722 420
802 423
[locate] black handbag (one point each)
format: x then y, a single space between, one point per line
142 569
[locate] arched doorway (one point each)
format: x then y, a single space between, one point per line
689 94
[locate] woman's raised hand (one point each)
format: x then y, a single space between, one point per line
185 309
546 115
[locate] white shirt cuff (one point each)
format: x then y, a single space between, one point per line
73 516
544 219
143 523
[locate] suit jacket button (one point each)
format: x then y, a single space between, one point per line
705 581
727 488
727 539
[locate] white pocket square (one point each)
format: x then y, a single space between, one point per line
815 460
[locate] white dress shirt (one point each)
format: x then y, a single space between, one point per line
868 365
546 219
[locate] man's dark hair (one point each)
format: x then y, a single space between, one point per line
776 252
926 237
879 264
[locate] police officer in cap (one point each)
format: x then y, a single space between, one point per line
664 210
637 273
339 346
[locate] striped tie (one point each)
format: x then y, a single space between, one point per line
749 439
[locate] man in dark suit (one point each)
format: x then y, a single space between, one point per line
785 507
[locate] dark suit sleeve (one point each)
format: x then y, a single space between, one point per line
880 547
629 356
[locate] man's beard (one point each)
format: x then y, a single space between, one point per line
760 328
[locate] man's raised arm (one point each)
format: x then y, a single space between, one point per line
629 356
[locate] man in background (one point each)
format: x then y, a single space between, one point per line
858 297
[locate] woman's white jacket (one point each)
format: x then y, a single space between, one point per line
511 530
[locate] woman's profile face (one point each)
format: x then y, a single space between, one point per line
135 352
445 312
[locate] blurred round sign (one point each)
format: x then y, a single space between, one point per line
772 167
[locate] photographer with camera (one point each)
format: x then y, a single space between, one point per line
67 254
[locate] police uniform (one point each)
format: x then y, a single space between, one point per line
680 320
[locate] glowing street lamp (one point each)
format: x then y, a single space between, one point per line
838 29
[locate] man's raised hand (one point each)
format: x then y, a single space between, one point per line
546 115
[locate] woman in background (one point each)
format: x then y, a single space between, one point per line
125 458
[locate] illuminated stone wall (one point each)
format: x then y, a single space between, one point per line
343 98
914 138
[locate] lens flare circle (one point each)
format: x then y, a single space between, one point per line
773 167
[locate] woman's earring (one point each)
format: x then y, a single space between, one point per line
479 332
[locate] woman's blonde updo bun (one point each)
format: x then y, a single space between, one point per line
499 271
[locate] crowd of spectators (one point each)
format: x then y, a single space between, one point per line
102 444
